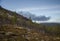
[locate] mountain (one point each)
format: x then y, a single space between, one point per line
9 17
11 26
50 24
15 27
13 18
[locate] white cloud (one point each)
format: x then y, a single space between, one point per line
49 21
38 8
49 10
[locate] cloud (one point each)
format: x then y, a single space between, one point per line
27 9
57 20
52 11
38 8
34 17
41 18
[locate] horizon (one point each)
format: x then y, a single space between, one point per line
47 8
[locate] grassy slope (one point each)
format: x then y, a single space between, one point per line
16 27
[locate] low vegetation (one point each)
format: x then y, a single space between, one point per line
15 27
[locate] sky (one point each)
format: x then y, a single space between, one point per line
49 8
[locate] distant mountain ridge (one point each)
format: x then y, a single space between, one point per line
50 24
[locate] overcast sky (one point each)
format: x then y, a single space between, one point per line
38 7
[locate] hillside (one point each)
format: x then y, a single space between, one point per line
10 17
15 27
